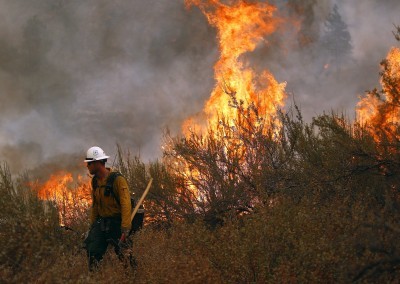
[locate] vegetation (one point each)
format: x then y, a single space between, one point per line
250 202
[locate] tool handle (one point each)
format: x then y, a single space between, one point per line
141 199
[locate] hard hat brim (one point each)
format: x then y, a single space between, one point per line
98 159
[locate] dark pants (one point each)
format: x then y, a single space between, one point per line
103 232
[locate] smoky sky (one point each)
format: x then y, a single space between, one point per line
79 73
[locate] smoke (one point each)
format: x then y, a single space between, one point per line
329 51
74 74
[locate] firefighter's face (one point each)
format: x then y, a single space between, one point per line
92 167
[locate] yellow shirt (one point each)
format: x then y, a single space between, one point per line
107 206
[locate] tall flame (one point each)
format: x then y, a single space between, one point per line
71 200
382 114
240 27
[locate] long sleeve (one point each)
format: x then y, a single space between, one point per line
122 189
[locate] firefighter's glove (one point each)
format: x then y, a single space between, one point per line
124 238
85 235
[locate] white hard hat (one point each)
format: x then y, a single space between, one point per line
95 154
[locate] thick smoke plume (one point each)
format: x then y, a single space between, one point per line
74 74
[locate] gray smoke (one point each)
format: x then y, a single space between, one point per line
333 57
74 74
79 73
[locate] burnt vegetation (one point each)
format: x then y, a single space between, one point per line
253 201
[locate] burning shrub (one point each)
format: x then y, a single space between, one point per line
295 202
329 175
380 110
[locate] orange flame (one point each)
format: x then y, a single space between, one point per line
70 200
240 26
382 114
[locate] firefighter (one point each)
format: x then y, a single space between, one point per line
111 209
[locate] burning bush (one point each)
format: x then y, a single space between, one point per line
296 202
